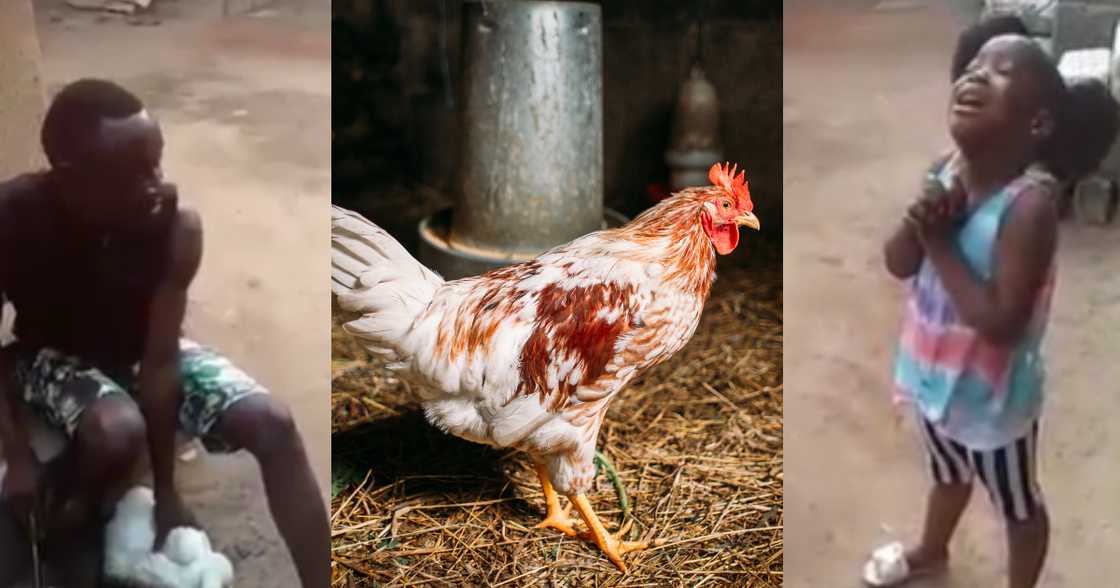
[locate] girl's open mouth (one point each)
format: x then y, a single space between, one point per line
968 100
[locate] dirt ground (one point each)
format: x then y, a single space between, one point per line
245 108
865 90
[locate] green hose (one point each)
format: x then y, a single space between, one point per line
601 461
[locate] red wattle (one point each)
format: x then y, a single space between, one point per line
725 237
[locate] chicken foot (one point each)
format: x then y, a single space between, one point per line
611 545
556 517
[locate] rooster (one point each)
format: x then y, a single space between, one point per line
530 356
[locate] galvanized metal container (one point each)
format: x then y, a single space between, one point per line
436 252
695 143
531 159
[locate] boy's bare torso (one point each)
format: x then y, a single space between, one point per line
81 292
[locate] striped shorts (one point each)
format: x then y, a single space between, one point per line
1009 473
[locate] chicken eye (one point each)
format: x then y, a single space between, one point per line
726 204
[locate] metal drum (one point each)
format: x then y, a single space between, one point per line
531 162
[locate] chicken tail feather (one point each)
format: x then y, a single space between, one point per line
372 274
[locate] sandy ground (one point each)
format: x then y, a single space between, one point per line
864 94
245 108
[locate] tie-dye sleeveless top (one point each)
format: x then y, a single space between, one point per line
981 394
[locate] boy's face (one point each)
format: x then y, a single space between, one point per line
997 98
123 182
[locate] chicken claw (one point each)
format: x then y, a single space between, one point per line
611 545
560 521
556 518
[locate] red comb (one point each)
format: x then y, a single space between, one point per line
735 185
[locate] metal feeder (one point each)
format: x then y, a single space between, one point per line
694 144
531 159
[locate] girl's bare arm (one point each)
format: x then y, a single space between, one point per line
903 251
1001 308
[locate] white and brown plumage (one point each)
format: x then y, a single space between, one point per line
530 356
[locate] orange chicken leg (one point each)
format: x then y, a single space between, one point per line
556 517
611 545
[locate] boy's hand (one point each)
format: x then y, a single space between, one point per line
21 486
169 514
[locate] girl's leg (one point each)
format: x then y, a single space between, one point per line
1026 545
1009 474
952 489
944 507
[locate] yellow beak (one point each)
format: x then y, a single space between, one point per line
747 220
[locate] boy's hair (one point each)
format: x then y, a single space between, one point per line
76 111
973 38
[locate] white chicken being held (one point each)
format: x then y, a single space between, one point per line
530 356
186 560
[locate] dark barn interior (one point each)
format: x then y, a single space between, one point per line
696 441
398 64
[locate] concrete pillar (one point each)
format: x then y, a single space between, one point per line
22 100
22 106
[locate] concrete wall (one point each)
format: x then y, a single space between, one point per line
21 90
395 118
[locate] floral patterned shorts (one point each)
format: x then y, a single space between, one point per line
60 387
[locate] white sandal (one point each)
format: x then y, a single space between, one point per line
888 567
